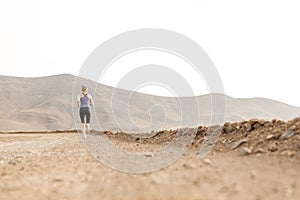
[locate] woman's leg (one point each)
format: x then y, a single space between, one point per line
83 130
88 119
82 115
87 128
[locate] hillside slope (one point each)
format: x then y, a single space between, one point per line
45 103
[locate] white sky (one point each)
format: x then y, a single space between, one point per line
255 44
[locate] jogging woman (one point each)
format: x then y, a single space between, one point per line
84 101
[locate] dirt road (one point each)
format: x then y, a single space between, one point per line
57 166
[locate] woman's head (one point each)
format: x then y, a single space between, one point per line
84 89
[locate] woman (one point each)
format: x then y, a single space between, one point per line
84 101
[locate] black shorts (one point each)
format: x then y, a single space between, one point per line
85 113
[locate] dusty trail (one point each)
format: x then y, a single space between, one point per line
57 166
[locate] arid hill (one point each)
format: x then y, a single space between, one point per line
46 103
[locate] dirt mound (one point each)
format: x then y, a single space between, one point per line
259 136
255 136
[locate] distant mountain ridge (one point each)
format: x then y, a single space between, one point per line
45 103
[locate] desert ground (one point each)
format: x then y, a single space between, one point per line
253 159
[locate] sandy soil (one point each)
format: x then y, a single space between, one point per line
57 166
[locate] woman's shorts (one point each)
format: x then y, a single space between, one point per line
85 113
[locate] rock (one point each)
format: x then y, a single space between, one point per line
148 155
254 121
287 134
246 133
189 166
253 174
207 161
57 180
19 157
224 141
12 162
293 128
262 122
153 182
238 143
225 128
245 151
229 129
259 150
289 191
289 153
249 127
270 137
258 142
272 148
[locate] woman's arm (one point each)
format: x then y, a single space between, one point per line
78 101
91 101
